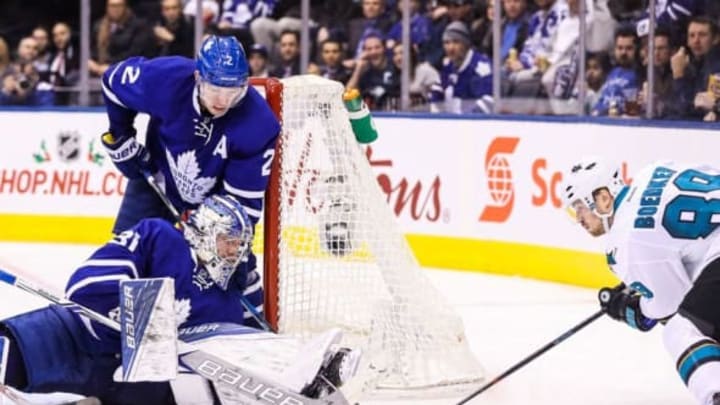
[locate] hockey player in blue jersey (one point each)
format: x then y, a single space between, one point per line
209 132
56 349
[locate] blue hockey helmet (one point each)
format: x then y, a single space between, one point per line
222 62
220 233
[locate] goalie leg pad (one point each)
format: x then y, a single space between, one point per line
12 367
49 350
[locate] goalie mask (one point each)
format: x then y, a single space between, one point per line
220 233
582 183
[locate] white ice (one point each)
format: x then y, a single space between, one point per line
506 319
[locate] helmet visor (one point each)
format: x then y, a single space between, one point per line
219 97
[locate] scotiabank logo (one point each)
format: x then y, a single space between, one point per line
499 180
413 197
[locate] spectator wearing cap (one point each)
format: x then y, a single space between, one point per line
258 61
375 76
174 33
446 12
466 76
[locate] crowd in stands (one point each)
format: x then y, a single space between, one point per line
358 43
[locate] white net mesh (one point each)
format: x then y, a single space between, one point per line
344 263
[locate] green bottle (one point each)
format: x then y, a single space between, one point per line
360 119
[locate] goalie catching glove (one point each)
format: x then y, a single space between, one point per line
623 305
128 155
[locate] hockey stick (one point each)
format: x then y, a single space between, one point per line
176 215
534 355
249 385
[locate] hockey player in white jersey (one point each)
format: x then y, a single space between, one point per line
662 243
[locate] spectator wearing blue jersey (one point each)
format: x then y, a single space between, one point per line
376 19
524 70
620 91
513 28
239 14
466 76
419 27
676 15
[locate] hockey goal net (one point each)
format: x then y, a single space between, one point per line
334 256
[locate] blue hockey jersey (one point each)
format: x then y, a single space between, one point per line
620 87
466 88
154 248
197 154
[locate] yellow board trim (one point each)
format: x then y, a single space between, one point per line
516 259
507 258
55 229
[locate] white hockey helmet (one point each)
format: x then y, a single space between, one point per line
584 178
220 233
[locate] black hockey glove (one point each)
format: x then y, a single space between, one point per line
128 155
623 305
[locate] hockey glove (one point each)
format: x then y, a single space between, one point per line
128 155
623 305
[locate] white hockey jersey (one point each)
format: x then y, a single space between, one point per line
663 233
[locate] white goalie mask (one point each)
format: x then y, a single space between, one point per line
220 233
583 180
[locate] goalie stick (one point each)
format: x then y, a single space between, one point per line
176 215
534 355
254 389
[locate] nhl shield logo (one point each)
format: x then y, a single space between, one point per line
68 146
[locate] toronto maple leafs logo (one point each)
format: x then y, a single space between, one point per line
201 279
186 173
182 310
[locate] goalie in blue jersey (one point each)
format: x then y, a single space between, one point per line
209 133
58 349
